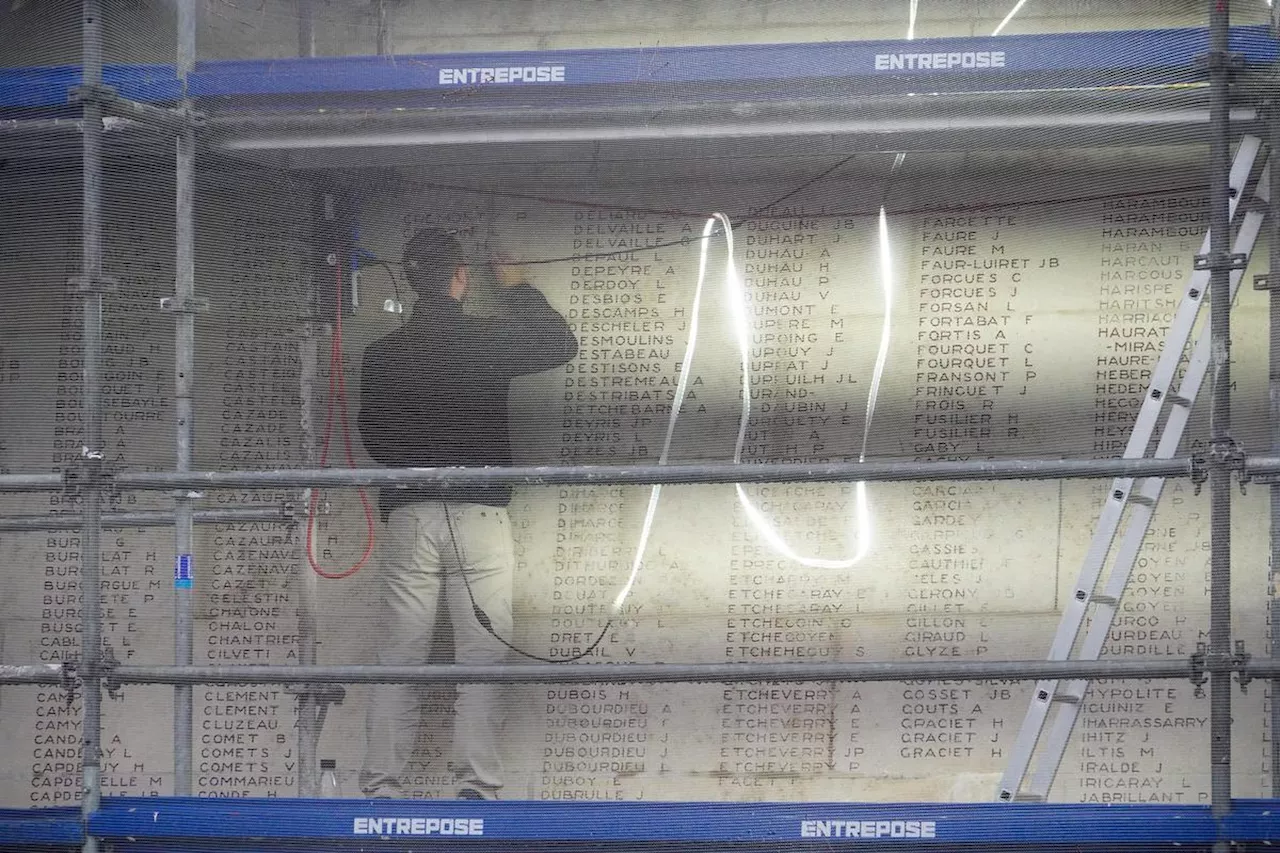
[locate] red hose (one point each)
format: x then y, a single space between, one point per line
338 393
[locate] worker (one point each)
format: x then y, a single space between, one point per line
434 393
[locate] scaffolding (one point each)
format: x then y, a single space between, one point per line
1224 461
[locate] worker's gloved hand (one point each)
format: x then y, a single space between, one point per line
508 273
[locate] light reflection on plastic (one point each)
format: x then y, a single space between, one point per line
1009 17
861 517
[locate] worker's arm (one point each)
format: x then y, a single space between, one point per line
531 336
537 336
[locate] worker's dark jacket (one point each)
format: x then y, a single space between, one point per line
434 393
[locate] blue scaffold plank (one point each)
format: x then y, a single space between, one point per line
241 824
1133 57
42 829
1163 55
51 86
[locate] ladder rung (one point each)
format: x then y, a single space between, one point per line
1123 490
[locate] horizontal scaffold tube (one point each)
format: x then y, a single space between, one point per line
715 472
143 518
31 482
656 673
1262 466
30 673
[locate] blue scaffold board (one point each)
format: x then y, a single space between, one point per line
40 829
278 824
634 75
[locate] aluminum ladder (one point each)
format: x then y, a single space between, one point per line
1139 496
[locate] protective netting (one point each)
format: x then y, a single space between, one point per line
673 255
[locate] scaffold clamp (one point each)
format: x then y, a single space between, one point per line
322 694
89 471
1199 471
110 681
1230 455
1199 667
70 678
87 93
193 305
83 284
1221 261
109 99
1239 662
1216 59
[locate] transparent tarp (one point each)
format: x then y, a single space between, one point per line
753 264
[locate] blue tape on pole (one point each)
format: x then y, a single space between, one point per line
182 572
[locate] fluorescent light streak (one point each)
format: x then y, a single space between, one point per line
1009 17
861 516
647 526
911 19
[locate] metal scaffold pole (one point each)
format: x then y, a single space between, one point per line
1192 669
1273 280
643 475
1222 448
384 29
308 728
31 673
143 518
306 28
184 306
92 283
657 673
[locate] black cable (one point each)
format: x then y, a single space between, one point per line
684 241
755 214
483 618
758 213
395 284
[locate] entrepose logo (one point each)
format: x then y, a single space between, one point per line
940 61
868 829
418 826
507 74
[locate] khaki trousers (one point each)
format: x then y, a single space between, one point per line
427 548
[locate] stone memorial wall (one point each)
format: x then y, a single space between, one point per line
1025 315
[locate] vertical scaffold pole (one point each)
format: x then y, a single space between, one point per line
184 367
1273 584
384 29
1219 651
91 550
308 733
306 28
